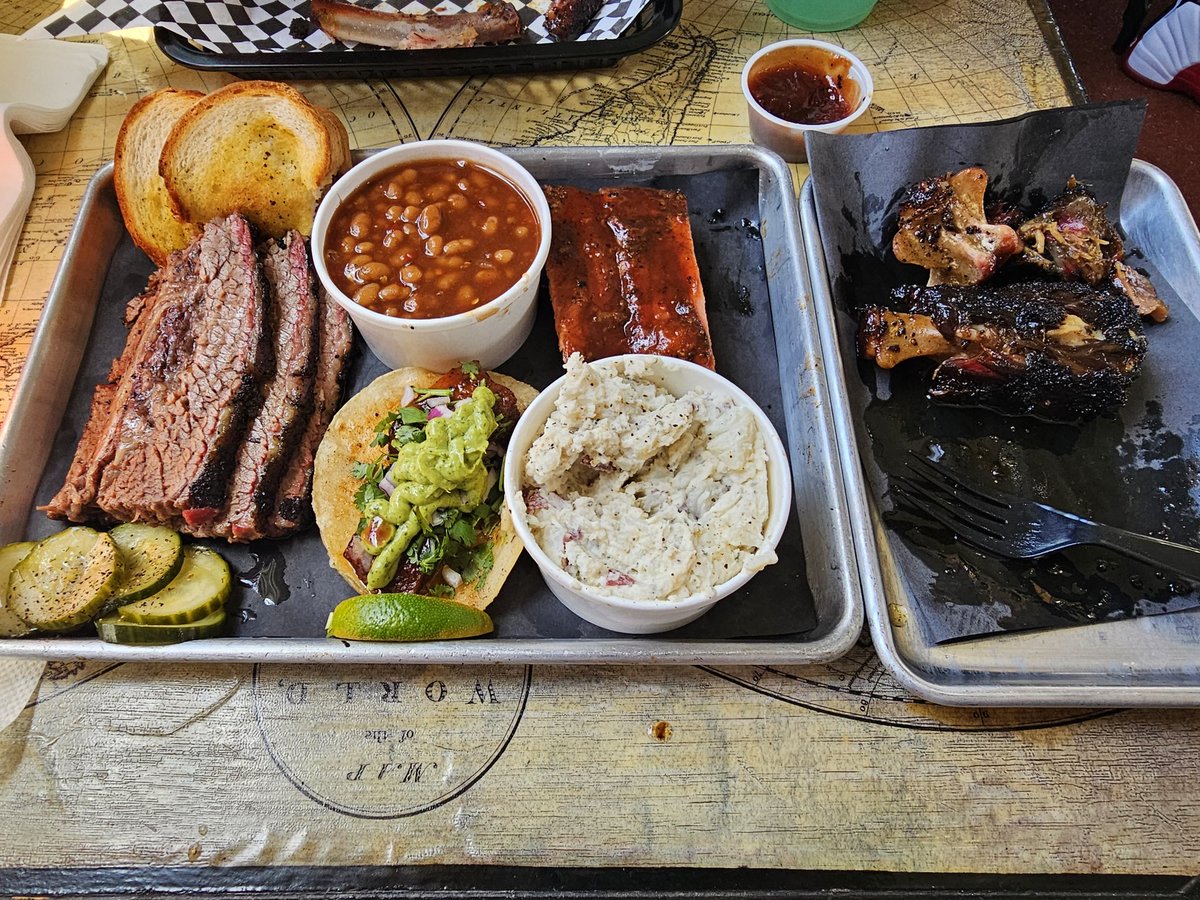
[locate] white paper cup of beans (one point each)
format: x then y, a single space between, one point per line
435 249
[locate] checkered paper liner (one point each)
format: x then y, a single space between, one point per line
265 26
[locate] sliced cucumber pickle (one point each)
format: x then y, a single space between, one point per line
152 556
115 630
200 588
65 580
10 555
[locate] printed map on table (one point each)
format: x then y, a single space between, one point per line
545 765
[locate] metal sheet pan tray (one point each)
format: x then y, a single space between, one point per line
805 609
1144 661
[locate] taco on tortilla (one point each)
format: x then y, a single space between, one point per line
406 484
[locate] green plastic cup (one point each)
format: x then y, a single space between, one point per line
822 15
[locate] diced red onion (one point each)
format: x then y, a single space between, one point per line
409 395
385 484
436 401
436 412
451 577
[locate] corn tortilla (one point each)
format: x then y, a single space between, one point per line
348 440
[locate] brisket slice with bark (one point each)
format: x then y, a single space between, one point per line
287 396
191 387
75 499
1057 350
293 506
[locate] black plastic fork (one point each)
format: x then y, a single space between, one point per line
1007 525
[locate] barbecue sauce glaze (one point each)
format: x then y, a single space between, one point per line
799 94
804 85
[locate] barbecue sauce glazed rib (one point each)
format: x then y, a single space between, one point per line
623 275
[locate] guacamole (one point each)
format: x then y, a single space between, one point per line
433 494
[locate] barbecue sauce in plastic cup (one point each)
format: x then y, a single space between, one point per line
808 87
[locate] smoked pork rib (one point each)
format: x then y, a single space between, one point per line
293 507
492 23
565 19
1058 350
184 401
623 274
287 394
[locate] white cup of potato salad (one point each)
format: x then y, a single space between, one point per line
646 489
435 250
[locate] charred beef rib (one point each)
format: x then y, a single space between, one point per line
943 227
1073 239
1057 350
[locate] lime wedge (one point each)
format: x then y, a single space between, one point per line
405 617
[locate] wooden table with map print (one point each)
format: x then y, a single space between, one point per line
121 777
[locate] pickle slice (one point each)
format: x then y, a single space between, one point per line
10 555
200 588
151 555
65 580
115 630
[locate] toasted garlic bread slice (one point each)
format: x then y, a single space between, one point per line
141 193
258 147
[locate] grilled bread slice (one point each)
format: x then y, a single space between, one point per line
141 193
257 147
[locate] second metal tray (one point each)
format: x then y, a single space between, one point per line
805 609
1149 661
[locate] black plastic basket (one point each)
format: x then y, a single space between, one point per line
654 23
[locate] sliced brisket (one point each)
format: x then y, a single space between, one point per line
287 395
192 386
75 500
293 508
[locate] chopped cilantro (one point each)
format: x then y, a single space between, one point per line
412 415
479 566
470 368
368 491
462 531
408 434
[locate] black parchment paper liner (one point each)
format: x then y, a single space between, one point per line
1139 470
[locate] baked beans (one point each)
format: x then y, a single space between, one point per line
430 239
